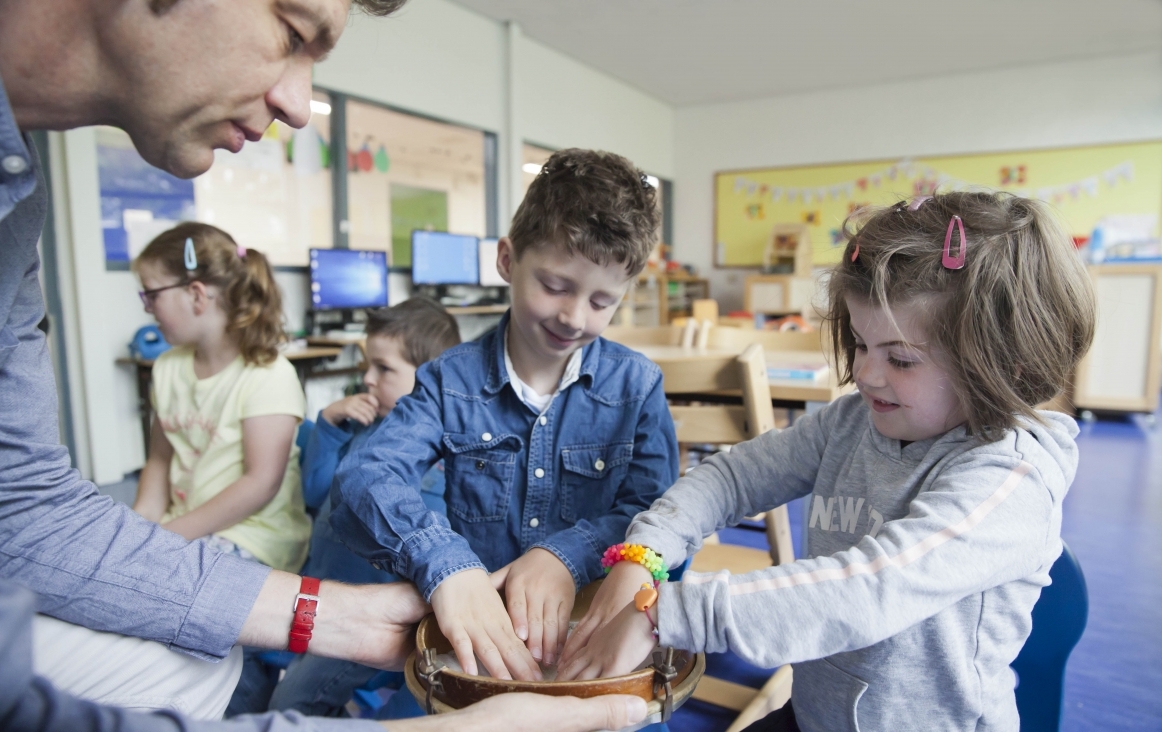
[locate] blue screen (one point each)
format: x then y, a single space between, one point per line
439 258
346 278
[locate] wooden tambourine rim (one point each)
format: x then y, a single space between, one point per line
467 689
684 685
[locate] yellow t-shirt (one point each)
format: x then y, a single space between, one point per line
202 419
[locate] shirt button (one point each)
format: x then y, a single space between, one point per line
487 437
599 465
534 523
14 164
543 420
540 473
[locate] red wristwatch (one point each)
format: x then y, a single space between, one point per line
306 605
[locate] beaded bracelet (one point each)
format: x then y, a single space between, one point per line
636 553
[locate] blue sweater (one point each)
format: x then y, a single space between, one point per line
327 447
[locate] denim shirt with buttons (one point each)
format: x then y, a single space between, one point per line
568 480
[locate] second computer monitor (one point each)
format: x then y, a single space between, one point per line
489 274
440 258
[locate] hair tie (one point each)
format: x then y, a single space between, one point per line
949 261
191 256
241 252
918 201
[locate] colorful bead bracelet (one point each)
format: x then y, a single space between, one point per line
636 553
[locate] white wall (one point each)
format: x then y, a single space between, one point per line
1076 103
434 58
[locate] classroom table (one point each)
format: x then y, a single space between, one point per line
809 396
303 359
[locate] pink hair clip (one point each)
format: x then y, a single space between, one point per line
949 261
855 253
917 202
241 252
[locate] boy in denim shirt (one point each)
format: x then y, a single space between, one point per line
552 437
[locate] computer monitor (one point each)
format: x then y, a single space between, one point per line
348 278
440 258
489 274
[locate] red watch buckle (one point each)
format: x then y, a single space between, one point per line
306 606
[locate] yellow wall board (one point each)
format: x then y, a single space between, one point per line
1083 185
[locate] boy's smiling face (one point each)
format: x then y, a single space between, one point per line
560 302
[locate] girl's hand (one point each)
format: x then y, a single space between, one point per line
623 582
473 619
532 713
615 649
362 408
540 593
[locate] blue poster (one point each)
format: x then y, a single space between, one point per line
133 190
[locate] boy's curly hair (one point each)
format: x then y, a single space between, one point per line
596 204
1013 322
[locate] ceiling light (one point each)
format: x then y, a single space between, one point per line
318 107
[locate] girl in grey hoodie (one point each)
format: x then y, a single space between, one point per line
935 492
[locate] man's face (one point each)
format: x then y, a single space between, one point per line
209 74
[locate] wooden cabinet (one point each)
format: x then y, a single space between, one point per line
778 294
1123 369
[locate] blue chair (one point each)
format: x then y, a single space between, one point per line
1058 622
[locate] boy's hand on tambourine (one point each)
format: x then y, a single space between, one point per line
540 592
619 587
615 649
473 619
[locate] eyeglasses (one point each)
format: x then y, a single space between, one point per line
148 296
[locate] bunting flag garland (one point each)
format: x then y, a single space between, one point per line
926 179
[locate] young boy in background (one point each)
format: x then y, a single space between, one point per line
399 340
552 437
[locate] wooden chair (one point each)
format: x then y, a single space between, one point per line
730 424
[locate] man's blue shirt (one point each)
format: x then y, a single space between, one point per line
568 481
91 561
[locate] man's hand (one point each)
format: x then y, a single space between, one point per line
623 582
474 621
540 593
369 624
533 713
617 649
363 408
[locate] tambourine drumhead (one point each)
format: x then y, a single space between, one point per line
457 690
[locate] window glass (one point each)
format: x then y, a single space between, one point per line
406 172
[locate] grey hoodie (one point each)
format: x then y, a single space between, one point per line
924 563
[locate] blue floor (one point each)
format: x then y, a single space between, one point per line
1113 523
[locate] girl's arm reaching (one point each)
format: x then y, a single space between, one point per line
153 485
755 476
266 447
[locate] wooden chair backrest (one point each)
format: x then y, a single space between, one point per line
704 310
770 340
728 424
660 335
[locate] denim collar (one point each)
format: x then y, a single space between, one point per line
493 344
14 188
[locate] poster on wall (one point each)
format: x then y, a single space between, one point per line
138 201
1109 193
414 208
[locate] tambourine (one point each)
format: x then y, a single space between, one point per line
665 684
